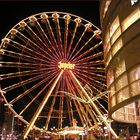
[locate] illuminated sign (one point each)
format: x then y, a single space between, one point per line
66 65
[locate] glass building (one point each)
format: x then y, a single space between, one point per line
120 21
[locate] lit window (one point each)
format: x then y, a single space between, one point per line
116 46
113 101
115 24
123 95
122 82
116 34
138 74
120 67
134 89
134 16
134 74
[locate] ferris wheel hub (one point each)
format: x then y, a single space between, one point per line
64 66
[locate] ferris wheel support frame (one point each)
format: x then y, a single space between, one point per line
42 104
40 45
94 106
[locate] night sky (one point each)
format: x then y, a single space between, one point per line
12 12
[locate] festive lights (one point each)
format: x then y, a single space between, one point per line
66 65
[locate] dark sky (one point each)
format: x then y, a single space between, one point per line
11 12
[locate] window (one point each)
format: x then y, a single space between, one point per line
138 73
123 95
116 34
116 46
134 16
122 82
115 24
135 74
120 67
113 101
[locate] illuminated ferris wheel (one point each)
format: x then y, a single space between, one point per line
52 71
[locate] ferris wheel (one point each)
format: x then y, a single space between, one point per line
52 68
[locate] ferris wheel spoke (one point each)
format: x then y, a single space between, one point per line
25 65
83 46
28 51
77 21
75 47
24 82
22 73
104 110
96 83
85 116
60 113
68 102
38 41
24 57
77 107
92 113
79 112
39 93
93 73
82 110
33 88
42 33
35 37
52 106
101 107
95 79
41 106
19 55
90 83
28 42
89 58
67 21
92 63
61 104
51 35
58 32
82 55
45 39
91 69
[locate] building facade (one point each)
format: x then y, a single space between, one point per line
120 22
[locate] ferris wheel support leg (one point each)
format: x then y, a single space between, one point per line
95 107
41 106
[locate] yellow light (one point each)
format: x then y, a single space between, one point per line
66 65
94 106
41 106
